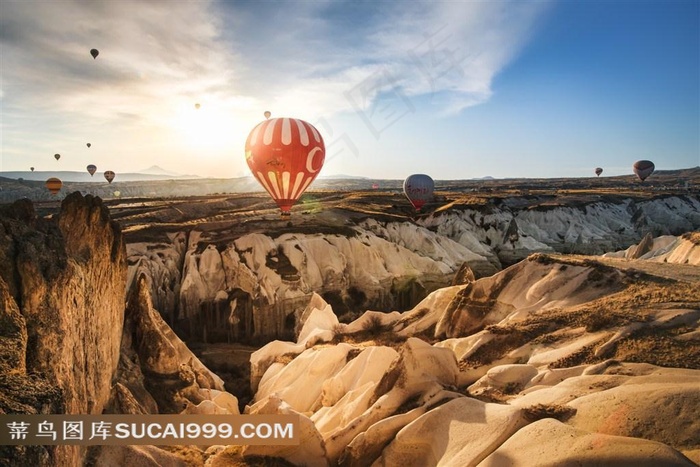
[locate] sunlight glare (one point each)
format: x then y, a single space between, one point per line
207 127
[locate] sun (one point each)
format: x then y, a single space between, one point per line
206 127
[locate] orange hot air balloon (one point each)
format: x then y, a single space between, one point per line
92 168
267 114
643 169
57 156
109 175
94 53
54 185
285 155
598 171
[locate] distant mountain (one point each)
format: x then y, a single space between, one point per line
157 170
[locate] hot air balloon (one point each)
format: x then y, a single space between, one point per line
598 171
267 114
31 168
94 53
109 175
57 156
285 155
117 193
92 168
643 169
418 188
196 106
54 185
88 145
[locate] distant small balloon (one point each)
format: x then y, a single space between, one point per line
643 169
31 168
117 193
196 106
267 114
88 145
57 156
92 168
598 171
109 176
418 188
54 185
94 53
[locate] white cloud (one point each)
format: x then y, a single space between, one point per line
418 48
306 59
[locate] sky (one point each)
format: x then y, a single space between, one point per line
456 90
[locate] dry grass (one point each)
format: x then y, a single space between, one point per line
285 358
660 348
641 296
693 237
191 455
232 457
556 411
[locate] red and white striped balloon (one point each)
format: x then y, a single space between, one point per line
285 156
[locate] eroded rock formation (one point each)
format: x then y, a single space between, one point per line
215 286
602 352
68 346
62 283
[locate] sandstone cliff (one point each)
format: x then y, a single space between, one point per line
69 341
62 283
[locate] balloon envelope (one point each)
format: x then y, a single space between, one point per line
57 156
285 155
92 168
54 185
643 169
598 171
109 175
418 188
94 53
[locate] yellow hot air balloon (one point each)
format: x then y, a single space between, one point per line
54 185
